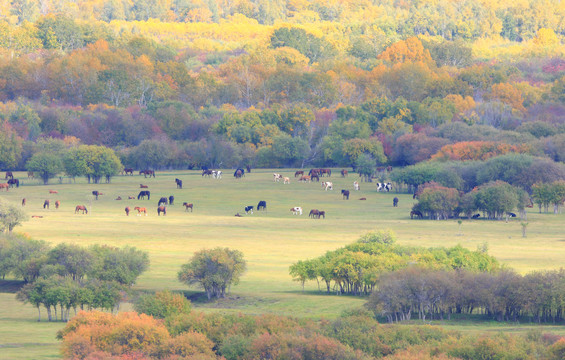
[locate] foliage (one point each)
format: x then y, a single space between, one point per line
162 304
11 216
46 165
214 270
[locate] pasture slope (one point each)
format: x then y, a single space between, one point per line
270 241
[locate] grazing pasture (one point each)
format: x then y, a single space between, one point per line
270 240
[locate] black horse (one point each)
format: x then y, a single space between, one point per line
162 200
171 199
13 182
143 194
262 205
179 183
395 202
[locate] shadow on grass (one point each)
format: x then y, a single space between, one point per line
11 286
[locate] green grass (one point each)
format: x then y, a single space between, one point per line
270 241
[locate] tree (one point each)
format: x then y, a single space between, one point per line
10 147
46 165
120 265
365 165
163 304
215 270
11 215
92 161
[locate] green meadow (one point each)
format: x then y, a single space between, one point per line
271 241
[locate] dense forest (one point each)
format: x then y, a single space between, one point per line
182 84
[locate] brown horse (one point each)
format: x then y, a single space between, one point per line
313 213
81 208
140 210
187 206
344 173
57 204
24 202
46 204
147 172
30 175
298 173
207 172
141 186
161 209
53 192
4 186
9 175
127 209
321 213
238 174
127 171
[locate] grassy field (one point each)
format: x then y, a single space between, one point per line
270 241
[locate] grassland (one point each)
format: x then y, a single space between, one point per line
270 241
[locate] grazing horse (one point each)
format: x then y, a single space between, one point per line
9 175
13 182
217 174
46 204
314 172
262 205
127 171
313 213
345 194
161 209
187 206
305 178
127 210
30 175
298 173
327 172
344 173
141 186
162 200
416 213
53 192
286 180
57 204
143 194
511 214
249 209
476 216
147 172
207 172
315 177
238 174
276 177
24 202
327 185
96 193
4 186
171 199
321 214
140 210
179 183
118 198
296 210
356 185
81 208
395 202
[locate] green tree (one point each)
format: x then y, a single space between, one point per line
11 215
215 270
163 304
365 165
122 266
92 161
46 165
10 148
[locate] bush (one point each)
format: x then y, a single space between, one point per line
162 304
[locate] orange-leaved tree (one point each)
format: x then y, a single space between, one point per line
476 150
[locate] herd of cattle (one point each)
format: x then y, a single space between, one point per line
313 175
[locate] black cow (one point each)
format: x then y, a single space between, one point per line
395 202
249 209
143 194
162 200
345 194
171 199
262 205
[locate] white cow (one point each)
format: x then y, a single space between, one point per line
296 210
384 187
356 185
277 177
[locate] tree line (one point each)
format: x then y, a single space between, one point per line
436 294
356 268
69 276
